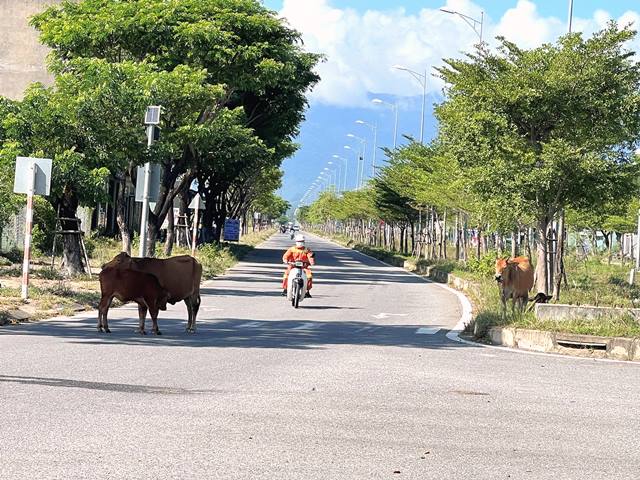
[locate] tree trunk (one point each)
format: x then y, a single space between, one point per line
171 234
542 228
121 218
515 235
559 260
71 248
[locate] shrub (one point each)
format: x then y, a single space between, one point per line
485 265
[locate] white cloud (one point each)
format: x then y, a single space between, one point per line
362 47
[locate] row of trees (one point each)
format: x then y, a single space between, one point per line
231 78
529 141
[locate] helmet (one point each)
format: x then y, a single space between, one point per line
300 240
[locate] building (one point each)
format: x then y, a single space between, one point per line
22 57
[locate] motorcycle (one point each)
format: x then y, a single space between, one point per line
293 234
296 283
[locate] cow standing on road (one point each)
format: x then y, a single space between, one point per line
515 277
131 286
180 276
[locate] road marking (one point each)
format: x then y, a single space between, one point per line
380 316
427 330
305 326
363 329
250 325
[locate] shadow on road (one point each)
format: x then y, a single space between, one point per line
110 387
241 333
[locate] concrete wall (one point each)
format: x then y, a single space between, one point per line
22 58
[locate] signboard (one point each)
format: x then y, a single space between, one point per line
154 183
194 202
231 230
23 175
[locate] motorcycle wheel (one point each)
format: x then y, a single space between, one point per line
294 296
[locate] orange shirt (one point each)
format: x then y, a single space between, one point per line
299 254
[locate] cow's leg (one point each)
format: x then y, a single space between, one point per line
103 309
153 311
189 303
503 299
142 315
195 307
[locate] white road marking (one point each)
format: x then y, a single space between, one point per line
380 316
363 329
250 325
427 330
305 326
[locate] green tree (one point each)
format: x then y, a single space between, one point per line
545 129
252 58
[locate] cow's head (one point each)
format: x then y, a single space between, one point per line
502 269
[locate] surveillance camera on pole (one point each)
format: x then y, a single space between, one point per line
151 119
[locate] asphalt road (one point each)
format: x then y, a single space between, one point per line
359 383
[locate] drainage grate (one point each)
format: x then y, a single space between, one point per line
582 345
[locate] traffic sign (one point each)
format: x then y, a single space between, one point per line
231 230
23 174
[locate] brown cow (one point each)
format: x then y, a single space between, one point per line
515 277
131 286
180 276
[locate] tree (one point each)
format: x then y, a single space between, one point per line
545 129
252 60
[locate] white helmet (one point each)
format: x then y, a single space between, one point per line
300 240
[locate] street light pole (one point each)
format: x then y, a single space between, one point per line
378 101
151 119
422 79
477 25
570 15
374 127
363 144
344 177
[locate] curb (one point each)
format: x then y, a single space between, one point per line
590 346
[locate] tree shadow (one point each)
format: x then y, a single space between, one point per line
240 333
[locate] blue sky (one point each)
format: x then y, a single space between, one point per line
362 39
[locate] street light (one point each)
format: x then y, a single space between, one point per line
346 166
374 127
337 169
348 147
151 119
360 163
472 22
378 101
422 79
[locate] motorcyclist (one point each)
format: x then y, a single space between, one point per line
299 253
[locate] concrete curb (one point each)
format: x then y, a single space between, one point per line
590 346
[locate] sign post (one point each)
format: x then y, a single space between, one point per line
196 219
33 177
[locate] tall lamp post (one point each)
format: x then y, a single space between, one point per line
355 153
477 25
374 127
363 144
422 79
394 106
346 166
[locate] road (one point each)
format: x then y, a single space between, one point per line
346 387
